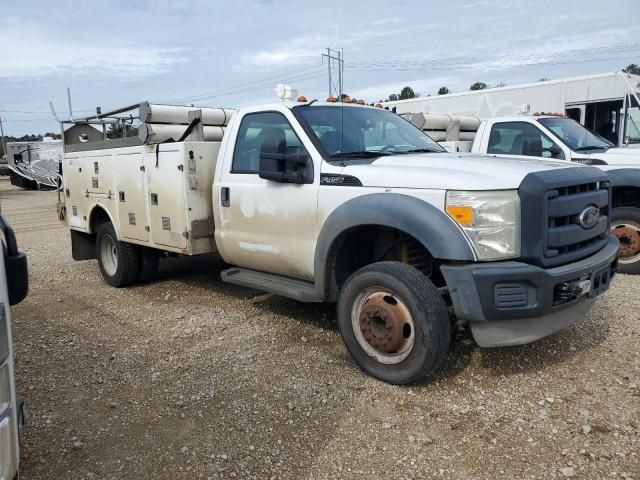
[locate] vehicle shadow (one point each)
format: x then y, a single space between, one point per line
203 272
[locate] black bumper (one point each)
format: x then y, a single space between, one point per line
502 294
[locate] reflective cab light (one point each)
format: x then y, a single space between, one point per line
462 215
361 102
331 99
302 98
379 105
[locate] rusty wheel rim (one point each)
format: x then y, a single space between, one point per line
628 234
383 325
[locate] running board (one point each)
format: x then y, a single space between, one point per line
267 282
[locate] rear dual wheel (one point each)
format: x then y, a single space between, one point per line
394 322
122 263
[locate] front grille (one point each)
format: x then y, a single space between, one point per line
552 202
566 239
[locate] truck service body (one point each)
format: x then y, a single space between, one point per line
331 202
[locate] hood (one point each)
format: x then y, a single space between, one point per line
446 171
628 156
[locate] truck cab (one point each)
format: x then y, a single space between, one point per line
556 137
344 203
13 289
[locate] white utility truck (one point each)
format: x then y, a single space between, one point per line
13 289
332 202
554 137
606 103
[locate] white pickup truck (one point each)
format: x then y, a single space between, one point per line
561 138
331 202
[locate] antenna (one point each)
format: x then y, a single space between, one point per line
69 100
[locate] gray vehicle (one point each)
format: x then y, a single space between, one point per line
13 289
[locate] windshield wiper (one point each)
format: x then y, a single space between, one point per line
421 150
361 154
592 147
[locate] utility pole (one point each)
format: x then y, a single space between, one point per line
335 61
4 142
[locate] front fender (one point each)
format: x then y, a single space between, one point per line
426 223
624 177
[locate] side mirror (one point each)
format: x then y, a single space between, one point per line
555 151
532 147
278 166
15 265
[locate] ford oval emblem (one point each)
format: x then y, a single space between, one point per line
589 217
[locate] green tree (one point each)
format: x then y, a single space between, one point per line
632 68
543 79
407 92
443 91
478 86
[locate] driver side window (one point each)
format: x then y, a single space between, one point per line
255 130
521 138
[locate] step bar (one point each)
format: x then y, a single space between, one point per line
267 282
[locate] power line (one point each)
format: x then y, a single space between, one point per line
285 76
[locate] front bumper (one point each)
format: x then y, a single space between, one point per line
513 303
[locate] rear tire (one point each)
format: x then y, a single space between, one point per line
394 322
625 224
118 261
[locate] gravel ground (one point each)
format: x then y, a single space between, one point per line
187 377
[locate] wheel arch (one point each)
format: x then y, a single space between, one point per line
625 183
419 220
99 215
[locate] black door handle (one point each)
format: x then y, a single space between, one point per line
225 198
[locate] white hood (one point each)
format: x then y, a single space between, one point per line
451 171
628 156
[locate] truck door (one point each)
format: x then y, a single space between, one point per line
266 225
522 138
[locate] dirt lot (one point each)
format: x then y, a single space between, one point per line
188 377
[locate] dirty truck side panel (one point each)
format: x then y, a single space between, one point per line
155 196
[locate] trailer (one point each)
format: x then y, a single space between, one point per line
35 165
607 103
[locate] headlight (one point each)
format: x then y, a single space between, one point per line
490 219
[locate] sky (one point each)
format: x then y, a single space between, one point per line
220 53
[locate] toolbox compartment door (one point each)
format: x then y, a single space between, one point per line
130 196
97 175
165 195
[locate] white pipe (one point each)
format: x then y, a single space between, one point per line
150 133
173 114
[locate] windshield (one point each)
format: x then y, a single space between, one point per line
574 135
364 132
632 133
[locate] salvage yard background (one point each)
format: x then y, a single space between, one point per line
187 377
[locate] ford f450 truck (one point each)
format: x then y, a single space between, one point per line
332 202
556 137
